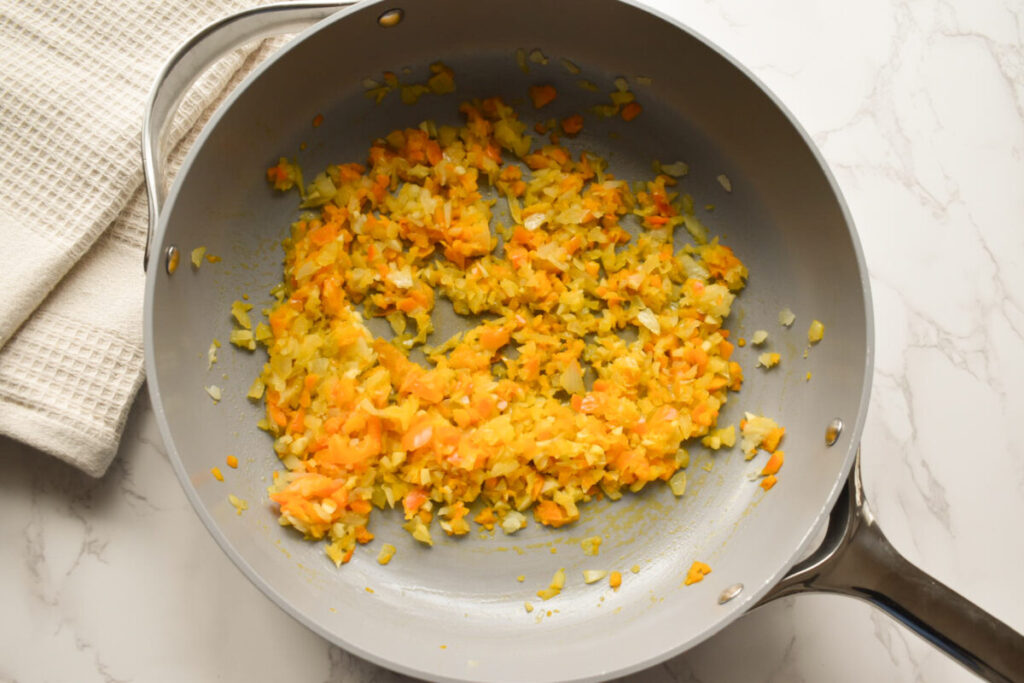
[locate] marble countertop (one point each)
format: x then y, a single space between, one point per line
918 107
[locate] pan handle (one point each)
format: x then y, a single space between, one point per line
190 60
857 559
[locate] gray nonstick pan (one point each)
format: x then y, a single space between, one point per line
456 611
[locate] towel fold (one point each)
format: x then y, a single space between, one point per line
73 81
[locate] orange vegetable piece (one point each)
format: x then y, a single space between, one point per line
551 513
232 461
696 573
631 111
493 338
774 463
768 482
542 95
215 471
360 507
772 439
317 120
615 580
419 435
486 518
414 500
572 125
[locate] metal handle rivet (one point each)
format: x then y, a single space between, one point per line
832 432
390 18
730 593
171 260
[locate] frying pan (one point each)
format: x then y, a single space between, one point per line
455 612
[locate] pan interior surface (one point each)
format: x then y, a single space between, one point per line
456 611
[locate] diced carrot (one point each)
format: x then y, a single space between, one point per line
697 572
360 507
493 338
297 423
413 501
774 463
486 518
572 125
631 111
615 580
419 435
772 438
215 471
542 95
276 414
232 462
317 120
768 482
551 513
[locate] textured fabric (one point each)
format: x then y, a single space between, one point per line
73 79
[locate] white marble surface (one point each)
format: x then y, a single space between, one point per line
919 109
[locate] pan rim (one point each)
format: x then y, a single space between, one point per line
740 606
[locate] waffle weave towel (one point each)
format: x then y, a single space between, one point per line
73 80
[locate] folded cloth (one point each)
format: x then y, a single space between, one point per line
73 80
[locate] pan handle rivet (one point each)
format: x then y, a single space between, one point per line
832 432
390 18
730 593
171 260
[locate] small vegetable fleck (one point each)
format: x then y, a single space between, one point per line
696 573
815 332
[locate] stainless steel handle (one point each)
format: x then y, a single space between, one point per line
190 60
857 559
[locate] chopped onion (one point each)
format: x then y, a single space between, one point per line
211 353
677 482
647 318
513 522
572 379
239 504
676 170
400 277
534 221
815 332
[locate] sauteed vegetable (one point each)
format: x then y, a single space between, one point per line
589 355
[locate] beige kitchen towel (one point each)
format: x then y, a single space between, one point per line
73 80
